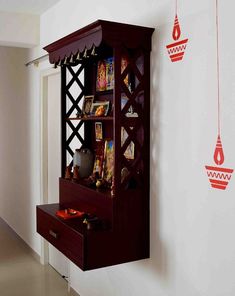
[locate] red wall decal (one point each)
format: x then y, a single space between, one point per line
219 177
176 50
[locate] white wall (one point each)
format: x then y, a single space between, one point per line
19 129
19 29
192 225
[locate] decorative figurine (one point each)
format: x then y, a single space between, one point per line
91 223
68 174
112 187
100 111
91 180
99 183
76 176
124 174
79 114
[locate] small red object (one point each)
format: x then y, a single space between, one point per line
69 214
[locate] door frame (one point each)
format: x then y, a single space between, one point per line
44 76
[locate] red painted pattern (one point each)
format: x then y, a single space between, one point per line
176 29
219 177
176 50
218 186
177 44
219 153
217 169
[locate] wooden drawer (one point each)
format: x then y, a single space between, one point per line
65 238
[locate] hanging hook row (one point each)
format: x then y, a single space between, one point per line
77 57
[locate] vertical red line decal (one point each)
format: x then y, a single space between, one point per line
218 65
218 176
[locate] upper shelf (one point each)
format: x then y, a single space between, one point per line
111 33
91 118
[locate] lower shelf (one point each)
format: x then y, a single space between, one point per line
89 249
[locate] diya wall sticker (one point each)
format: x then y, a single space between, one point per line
219 176
176 49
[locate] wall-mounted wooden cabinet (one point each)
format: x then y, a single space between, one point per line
110 61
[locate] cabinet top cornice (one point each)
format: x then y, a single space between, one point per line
110 33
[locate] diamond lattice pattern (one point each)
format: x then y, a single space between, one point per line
74 96
132 108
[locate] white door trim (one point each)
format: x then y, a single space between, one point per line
44 75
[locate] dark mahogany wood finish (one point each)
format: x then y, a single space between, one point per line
123 234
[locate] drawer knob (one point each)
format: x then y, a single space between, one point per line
53 233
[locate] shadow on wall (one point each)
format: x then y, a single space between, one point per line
158 251
157 265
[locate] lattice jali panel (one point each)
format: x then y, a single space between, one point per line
75 139
132 118
74 89
132 80
132 141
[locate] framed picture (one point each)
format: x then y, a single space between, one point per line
98 165
101 82
98 131
105 74
108 161
100 108
87 104
130 150
109 73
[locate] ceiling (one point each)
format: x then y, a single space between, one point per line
27 6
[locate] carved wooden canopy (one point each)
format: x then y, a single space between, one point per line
100 32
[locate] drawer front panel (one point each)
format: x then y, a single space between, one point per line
61 236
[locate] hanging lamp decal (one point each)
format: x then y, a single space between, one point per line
176 50
219 177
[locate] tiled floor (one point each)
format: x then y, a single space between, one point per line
21 274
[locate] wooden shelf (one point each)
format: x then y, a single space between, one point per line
91 118
104 92
105 193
